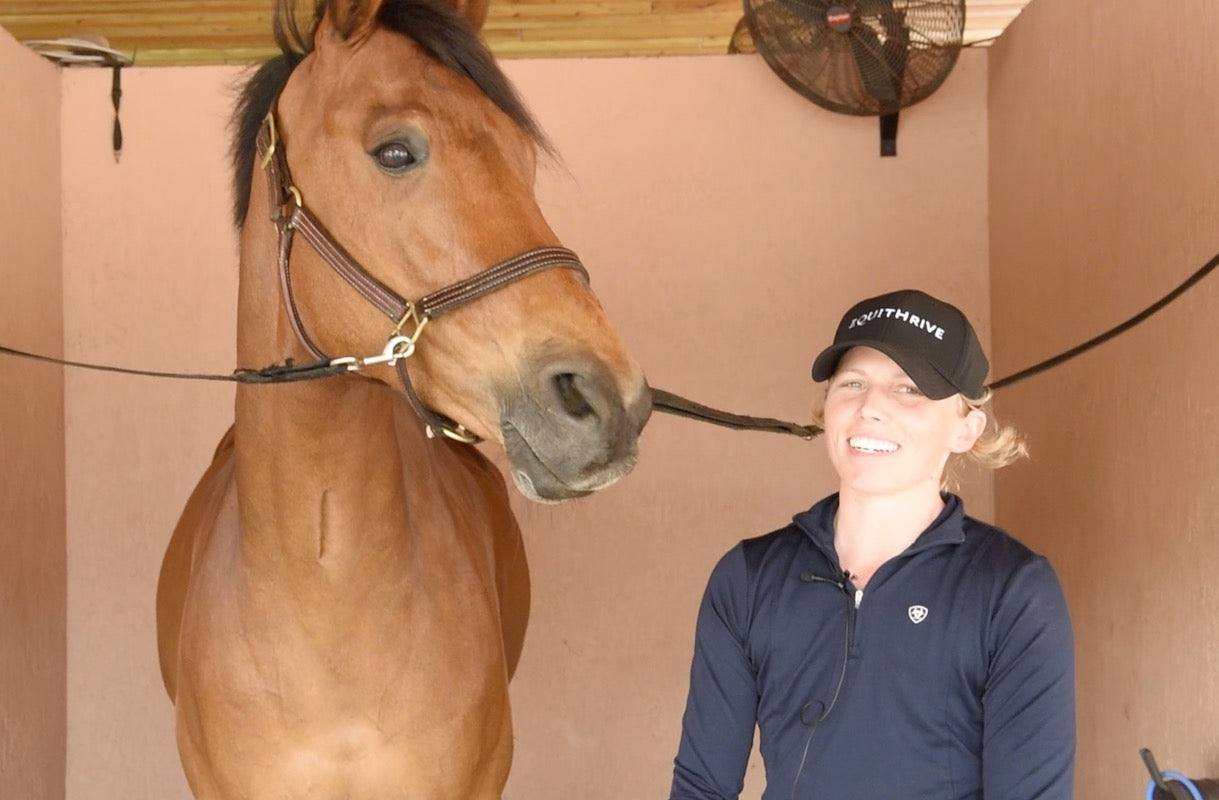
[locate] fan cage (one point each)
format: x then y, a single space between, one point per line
906 47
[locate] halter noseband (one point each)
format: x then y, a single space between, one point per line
289 213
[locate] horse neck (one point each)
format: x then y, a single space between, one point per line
320 464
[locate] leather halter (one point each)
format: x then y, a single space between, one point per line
289 213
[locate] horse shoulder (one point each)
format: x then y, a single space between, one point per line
198 518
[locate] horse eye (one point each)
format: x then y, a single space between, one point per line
395 157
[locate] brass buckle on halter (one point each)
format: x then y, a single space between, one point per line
280 191
458 434
300 204
273 135
411 315
398 347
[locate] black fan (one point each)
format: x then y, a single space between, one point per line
862 57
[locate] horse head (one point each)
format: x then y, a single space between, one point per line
406 140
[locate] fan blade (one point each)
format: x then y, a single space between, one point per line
896 47
811 12
870 60
873 8
882 65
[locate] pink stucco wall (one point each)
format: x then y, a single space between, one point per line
726 222
1104 195
150 280
32 531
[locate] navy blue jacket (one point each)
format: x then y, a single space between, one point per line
958 679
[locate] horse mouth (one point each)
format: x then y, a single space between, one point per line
567 429
530 473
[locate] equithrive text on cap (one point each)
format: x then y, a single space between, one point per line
932 341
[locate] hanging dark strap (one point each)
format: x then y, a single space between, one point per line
888 133
116 94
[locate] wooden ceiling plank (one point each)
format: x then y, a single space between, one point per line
613 48
699 7
617 8
676 28
187 31
610 27
8 7
171 30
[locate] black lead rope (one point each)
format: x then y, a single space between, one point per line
679 406
675 404
1096 341
663 401
286 372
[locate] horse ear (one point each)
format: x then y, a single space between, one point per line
359 16
349 17
475 11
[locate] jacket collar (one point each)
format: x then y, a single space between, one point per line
818 525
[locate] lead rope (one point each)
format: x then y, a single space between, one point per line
284 195
667 402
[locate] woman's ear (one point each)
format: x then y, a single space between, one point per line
969 428
818 407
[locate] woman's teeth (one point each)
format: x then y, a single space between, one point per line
866 445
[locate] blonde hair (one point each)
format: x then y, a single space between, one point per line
999 445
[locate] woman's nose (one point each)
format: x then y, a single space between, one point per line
871 405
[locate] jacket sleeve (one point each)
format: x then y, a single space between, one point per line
721 710
1028 737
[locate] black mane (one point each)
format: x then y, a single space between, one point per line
439 30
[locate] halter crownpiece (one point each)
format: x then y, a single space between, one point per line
290 215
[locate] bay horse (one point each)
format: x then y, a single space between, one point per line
345 596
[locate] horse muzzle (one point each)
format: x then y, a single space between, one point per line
573 431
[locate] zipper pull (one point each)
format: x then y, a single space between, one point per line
858 597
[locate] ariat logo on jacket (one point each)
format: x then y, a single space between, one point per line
917 613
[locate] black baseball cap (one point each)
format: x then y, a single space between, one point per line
930 339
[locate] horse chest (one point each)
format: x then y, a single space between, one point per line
342 679
356 759
374 618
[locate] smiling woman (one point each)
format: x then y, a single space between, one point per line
959 368
884 435
955 678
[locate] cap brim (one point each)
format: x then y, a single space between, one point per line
925 377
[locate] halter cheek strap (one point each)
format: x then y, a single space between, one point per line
290 214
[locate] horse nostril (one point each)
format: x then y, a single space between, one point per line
572 399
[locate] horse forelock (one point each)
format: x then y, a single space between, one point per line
448 37
438 29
